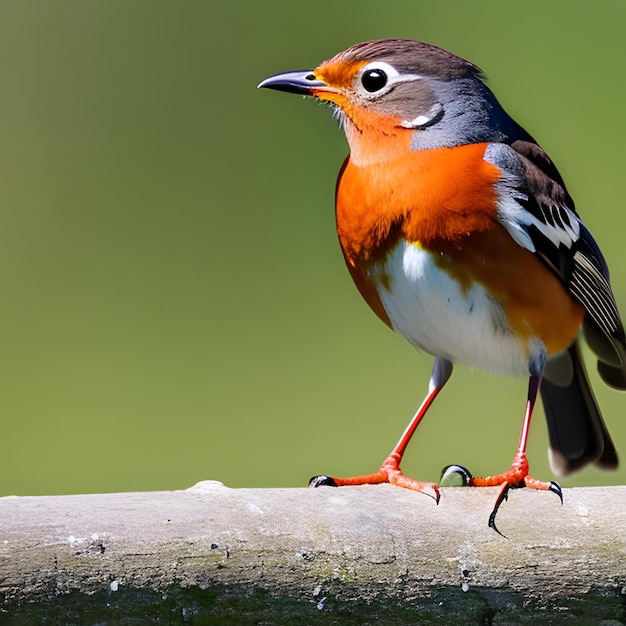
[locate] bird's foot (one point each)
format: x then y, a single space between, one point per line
389 472
515 478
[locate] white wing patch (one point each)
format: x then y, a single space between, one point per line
559 225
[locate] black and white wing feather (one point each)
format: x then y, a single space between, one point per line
540 215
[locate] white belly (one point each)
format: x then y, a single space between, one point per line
438 316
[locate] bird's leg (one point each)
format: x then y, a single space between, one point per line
518 475
390 471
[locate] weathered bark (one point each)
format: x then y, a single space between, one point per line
323 549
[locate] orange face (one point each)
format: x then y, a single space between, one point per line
372 135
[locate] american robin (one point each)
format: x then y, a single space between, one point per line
460 234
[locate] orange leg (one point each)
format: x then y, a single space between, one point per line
390 471
518 475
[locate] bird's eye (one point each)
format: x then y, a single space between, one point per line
374 80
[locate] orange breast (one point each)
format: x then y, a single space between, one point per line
446 201
421 196
424 195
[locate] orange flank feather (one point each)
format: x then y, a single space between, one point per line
445 200
534 300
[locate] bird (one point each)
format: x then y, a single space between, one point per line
459 233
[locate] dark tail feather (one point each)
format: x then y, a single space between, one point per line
578 434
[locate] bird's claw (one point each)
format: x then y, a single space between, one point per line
322 481
503 494
455 476
431 490
556 488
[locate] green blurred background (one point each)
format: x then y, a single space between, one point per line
174 305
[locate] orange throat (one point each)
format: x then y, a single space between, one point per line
422 196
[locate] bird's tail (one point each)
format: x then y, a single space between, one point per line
578 434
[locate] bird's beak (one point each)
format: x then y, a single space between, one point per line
303 82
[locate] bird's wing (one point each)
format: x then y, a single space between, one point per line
539 214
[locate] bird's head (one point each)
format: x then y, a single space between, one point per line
394 94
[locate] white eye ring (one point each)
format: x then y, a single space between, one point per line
390 70
391 73
376 79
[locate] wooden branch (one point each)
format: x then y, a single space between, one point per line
319 549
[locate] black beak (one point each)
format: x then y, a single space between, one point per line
293 82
